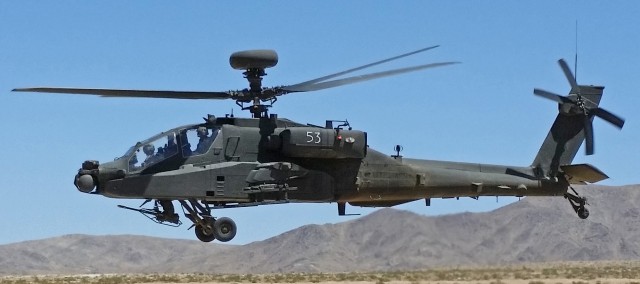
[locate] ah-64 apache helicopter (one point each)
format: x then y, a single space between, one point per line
229 162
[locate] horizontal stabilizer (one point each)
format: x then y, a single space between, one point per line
583 174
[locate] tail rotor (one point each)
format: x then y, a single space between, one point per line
579 102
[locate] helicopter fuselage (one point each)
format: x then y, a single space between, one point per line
261 161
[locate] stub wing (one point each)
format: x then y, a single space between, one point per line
583 174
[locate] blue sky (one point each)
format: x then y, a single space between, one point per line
482 110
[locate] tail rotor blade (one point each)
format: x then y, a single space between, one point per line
551 96
588 135
568 74
608 117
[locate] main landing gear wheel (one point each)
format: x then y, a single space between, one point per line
224 229
205 232
207 227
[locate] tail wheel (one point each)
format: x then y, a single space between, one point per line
224 229
583 213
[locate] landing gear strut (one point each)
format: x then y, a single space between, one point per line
577 203
208 228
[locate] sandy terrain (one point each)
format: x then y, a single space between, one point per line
542 273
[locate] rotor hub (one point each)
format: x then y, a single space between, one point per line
254 76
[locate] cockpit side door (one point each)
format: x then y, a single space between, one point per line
240 144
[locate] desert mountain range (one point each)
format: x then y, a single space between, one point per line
535 229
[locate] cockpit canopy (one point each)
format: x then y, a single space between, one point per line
192 140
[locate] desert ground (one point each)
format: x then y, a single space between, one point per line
551 273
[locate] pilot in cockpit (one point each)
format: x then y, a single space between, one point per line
151 158
171 146
204 140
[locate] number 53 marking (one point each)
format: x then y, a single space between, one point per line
313 137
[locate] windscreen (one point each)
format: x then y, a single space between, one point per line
152 152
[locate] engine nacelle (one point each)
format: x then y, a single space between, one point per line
323 143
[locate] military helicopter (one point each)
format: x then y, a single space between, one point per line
228 162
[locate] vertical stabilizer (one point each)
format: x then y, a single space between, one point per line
567 133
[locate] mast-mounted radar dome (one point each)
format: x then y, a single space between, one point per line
253 59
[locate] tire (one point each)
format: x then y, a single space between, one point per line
205 234
224 229
583 213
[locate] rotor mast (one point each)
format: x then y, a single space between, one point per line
254 62
254 76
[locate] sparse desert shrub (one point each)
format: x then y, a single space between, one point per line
521 275
441 275
578 273
497 277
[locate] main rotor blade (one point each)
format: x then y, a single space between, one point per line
131 93
551 96
317 80
360 78
588 135
608 117
568 74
